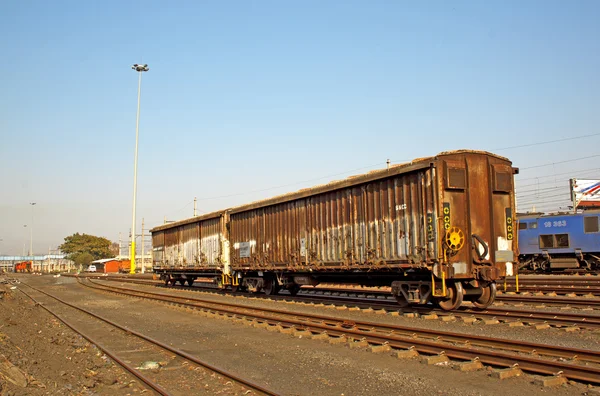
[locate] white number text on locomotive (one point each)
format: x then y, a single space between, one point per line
558 223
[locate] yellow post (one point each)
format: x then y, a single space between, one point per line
517 278
444 291
132 255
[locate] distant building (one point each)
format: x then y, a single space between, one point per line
47 263
111 265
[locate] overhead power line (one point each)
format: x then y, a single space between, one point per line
404 161
558 174
560 162
547 142
538 201
546 196
527 193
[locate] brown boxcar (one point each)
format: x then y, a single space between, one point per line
435 229
192 248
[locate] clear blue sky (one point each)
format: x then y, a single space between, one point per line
244 97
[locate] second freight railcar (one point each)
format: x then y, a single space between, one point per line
560 241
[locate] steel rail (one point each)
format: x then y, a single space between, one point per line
527 316
500 297
549 300
555 289
524 286
403 337
158 343
157 388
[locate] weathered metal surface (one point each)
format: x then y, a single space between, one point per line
382 220
380 224
192 244
480 208
385 219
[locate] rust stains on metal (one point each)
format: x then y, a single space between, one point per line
449 213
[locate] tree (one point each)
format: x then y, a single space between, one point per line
81 247
83 259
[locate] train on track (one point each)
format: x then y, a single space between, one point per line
24 267
438 229
559 242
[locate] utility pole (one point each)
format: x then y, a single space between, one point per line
24 239
143 263
140 69
195 213
119 256
31 231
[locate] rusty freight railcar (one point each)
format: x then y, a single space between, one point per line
192 248
436 229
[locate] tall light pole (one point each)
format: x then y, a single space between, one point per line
140 69
31 230
24 239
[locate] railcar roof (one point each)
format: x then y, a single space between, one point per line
529 216
416 164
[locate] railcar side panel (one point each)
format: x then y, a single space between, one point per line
210 243
158 247
172 248
379 224
197 245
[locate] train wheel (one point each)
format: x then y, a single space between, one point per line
271 287
454 297
167 281
487 297
190 281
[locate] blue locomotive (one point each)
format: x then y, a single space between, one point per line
559 241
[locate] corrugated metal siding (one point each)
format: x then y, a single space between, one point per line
381 223
378 220
158 246
190 245
172 248
211 233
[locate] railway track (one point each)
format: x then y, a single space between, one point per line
551 290
129 345
575 364
546 284
381 300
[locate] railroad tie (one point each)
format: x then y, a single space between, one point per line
506 373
